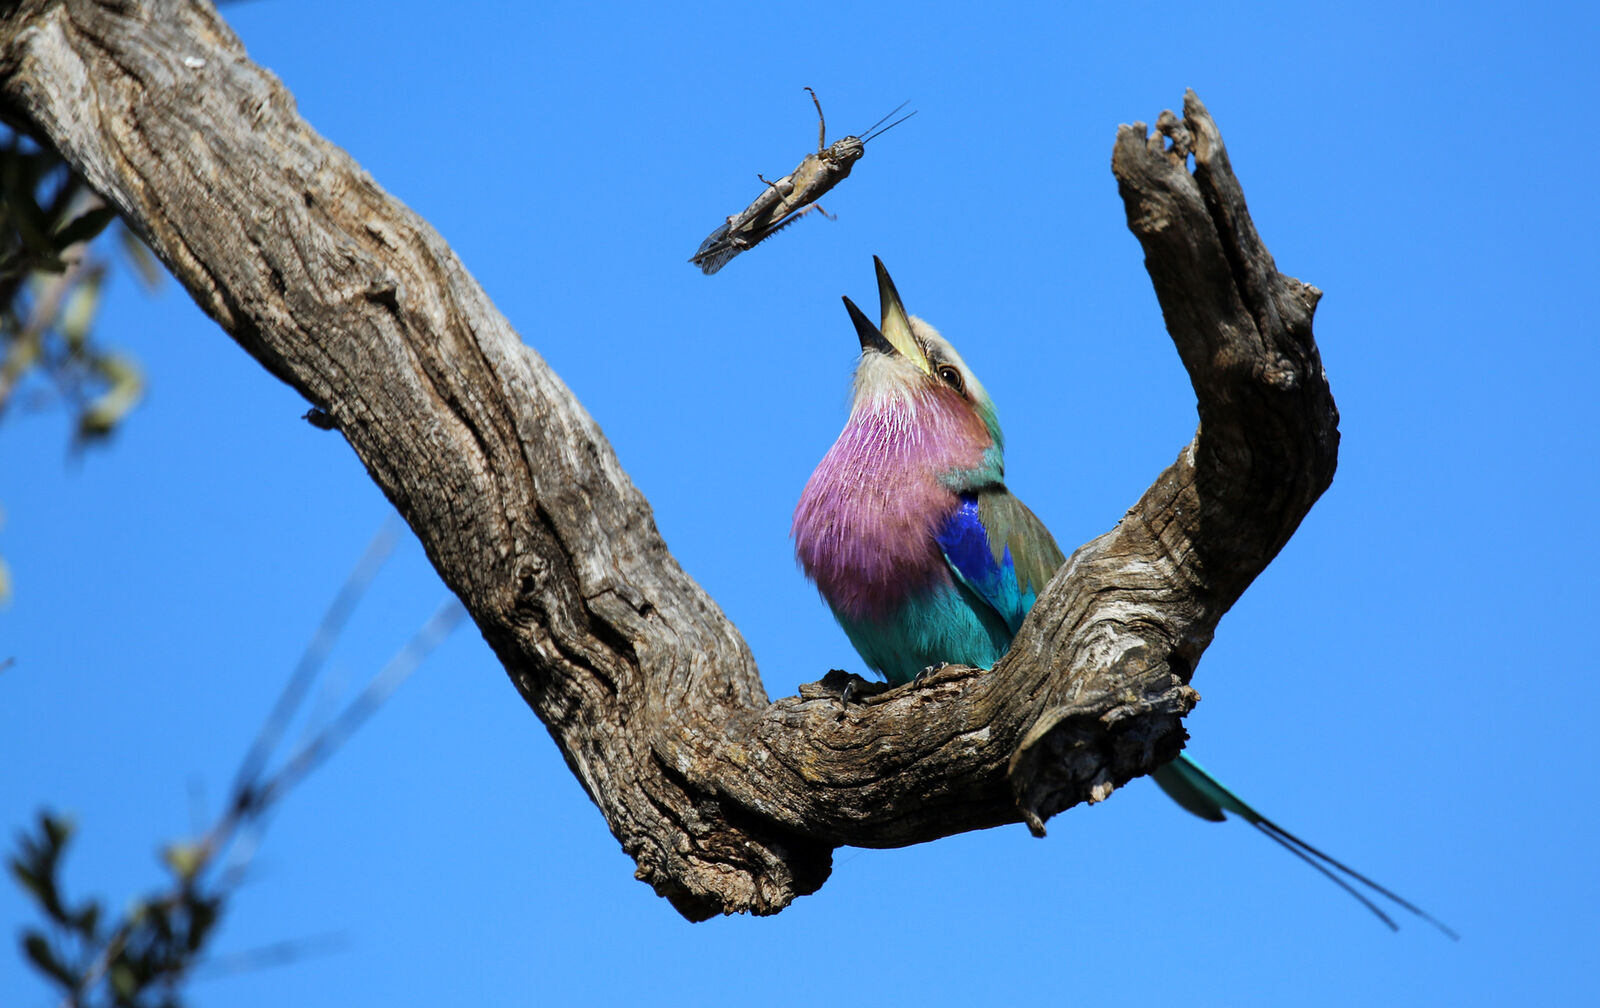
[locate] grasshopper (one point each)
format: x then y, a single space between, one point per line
787 200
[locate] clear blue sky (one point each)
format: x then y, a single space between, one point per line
1401 687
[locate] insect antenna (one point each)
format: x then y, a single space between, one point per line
873 136
892 111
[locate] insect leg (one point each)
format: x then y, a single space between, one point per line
822 124
801 213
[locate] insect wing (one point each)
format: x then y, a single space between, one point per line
746 228
715 251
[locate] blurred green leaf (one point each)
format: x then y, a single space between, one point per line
88 920
21 355
27 878
21 207
138 255
77 313
38 949
85 227
156 917
124 984
184 860
108 409
58 830
35 866
203 913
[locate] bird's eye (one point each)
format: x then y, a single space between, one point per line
952 378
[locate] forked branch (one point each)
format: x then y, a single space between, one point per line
726 801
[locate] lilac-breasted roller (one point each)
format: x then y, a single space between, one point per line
925 557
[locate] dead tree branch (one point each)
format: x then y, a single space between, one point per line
726 801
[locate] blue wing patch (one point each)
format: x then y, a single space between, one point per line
992 577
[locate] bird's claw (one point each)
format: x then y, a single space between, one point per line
920 677
842 686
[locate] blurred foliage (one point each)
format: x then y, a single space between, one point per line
52 277
146 957
141 959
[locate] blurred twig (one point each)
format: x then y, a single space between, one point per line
144 958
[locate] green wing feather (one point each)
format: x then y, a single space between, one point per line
1011 526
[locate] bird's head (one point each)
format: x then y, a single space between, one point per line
908 369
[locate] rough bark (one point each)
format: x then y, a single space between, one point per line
726 801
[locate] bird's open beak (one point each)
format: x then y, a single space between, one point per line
893 333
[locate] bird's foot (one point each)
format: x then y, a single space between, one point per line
849 691
842 686
921 677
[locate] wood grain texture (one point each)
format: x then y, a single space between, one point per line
727 802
